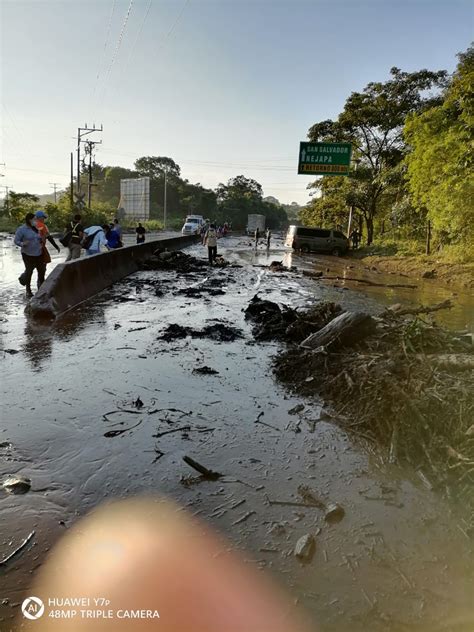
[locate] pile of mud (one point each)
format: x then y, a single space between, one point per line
398 380
280 322
218 331
175 260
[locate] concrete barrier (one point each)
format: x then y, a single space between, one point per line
73 282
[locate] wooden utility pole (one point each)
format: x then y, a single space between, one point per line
55 186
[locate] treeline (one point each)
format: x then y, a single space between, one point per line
412 159
230 202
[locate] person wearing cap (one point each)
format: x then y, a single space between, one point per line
39 221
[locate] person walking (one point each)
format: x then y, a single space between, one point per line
39 222
140 231
95 238
118 230
210 239
268 238
355 238
76 232
27 237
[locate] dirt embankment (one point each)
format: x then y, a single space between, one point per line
453 274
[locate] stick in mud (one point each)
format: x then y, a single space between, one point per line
18 549
201 469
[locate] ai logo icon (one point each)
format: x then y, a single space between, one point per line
32 608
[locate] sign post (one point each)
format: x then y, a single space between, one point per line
324 159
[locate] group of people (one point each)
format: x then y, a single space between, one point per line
33 234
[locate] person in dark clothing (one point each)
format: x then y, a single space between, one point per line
140 231
77 231
257 236
28 238
113 238
355 238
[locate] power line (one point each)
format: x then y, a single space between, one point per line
107 35
117 48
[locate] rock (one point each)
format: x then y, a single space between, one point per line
16 484
334 513
296 409
304 548
395 307
429 274
470 431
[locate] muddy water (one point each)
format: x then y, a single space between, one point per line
397 561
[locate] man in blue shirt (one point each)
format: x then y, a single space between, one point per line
28 238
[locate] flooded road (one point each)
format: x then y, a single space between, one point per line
398 559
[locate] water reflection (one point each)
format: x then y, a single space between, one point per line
39 336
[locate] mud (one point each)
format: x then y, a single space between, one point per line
397 560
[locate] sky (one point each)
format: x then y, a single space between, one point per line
224 87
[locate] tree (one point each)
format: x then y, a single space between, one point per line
373 122
155 166
238 198
19 204
440 164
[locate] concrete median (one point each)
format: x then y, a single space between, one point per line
71 283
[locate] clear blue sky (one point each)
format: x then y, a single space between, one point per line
224 87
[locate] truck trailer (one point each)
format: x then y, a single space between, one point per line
254 222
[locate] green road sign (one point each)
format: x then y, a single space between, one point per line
324 159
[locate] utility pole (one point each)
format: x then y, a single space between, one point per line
71 193
55 186
164 203
84 131
89 149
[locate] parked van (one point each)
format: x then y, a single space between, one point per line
317 239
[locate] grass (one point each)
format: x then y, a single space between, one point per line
451 254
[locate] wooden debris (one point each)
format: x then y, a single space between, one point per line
213 476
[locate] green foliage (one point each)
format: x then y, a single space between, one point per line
440 164
373 122
155 166
19 204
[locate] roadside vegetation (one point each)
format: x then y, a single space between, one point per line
411 187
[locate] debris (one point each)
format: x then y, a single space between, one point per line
309 497
166 432
304 548
213 476
219 332
243 518
345 330
16 484
334 513
296 409
447 304
205 370
18 549
138 403
429 274
11 351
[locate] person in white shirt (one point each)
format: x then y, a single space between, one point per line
98 238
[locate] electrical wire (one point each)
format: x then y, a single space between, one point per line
117 47
107 35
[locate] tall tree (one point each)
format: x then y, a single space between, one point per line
19 204
440 164
373 122
155 166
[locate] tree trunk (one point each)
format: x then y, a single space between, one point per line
343 331
370 230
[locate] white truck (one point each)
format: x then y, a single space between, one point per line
254 222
